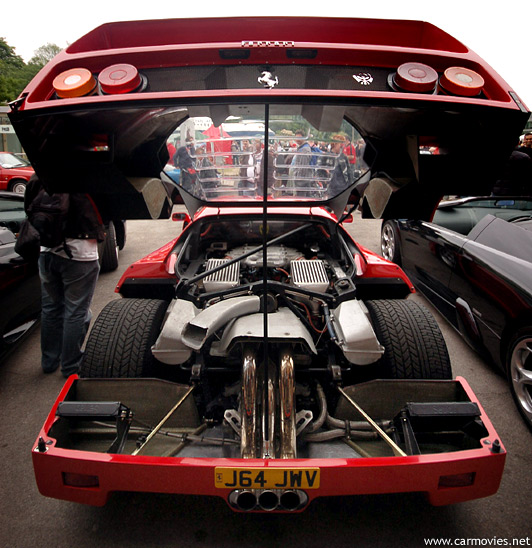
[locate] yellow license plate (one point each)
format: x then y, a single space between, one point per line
267 478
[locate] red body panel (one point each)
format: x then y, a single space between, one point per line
338 476
171 43
150 267
13 174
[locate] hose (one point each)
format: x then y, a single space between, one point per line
355 425
328 435
322 401
328 321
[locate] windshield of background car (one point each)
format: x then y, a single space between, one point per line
8 161
283 155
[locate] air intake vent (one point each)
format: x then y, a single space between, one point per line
222 279
310 275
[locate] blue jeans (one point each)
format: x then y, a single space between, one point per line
67 291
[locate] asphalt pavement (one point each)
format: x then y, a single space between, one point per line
29 520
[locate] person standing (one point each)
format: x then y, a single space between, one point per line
351 155
68 274
526 147
183 160
301 173
171 151
342 175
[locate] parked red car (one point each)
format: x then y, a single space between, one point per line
15 172
262 355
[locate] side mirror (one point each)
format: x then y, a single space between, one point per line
348 219
185 217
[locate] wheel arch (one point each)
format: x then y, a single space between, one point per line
511 328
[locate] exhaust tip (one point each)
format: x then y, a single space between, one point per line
243 500
291 500
268 500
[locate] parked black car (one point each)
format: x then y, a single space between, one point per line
474 263
20 295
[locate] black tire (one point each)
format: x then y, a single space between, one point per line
108 250
120 231
119 344
414 345
519 368
390 246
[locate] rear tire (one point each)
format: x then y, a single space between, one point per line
390 242
119 344
108 250
414 345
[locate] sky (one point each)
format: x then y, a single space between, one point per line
498 32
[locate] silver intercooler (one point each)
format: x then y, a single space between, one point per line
309 275
226 278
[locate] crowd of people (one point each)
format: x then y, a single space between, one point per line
298 166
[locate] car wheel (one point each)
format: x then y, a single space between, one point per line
18 187
120 232
390 242
120 341
414 345
108 250
519 363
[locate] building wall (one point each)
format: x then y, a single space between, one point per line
8 139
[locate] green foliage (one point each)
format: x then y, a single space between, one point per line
15 74
45 53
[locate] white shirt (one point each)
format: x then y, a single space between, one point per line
82 250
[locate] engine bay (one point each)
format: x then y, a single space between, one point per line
302 276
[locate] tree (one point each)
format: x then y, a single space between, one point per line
8 57
45 53
15 74
11 65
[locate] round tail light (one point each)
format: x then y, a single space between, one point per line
121 78
74 83
415 77
462 81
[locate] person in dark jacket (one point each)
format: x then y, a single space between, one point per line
68 279
342 175
516 178
183 160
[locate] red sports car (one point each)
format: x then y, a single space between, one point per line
263 356
15 172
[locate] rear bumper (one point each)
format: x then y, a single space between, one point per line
445 478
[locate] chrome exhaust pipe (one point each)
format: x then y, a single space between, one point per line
268 500
269 413
293 500
287 407
243 500
248 437
277 401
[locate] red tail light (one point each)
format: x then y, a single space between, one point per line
121 78
415 77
